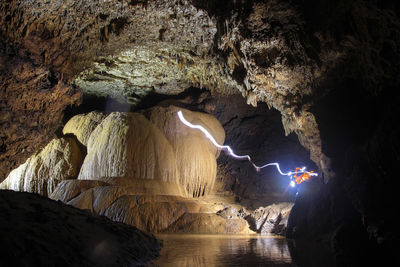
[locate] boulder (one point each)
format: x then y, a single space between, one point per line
270 219
37 231
59 160
82 125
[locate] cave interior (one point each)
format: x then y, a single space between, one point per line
89 96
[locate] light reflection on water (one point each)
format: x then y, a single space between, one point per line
223 250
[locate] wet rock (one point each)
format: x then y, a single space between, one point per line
42 232
228 213
270 219
206 223
59 160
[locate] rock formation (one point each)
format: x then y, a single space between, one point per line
158 148
82 125
59 160
270 219
39 231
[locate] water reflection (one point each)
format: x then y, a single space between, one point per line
223 250
240 250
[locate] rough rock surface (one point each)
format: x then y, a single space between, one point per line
59 160
41 232
209 223
270 219
32 100
125 200
158 148
82 125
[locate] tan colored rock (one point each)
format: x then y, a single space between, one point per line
128 145
209 223
150 213
69 189
158 147
82 125
59 160
270 219
196 155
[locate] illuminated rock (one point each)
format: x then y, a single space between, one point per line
158 147
82 125
206 223
270 219
59 160
196 156
69 189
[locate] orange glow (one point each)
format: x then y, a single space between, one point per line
299 178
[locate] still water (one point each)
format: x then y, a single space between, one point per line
226 250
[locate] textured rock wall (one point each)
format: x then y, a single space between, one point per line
59 160
32 100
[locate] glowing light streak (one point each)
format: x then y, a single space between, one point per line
300 174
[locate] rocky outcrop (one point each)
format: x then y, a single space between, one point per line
42 232
32 101
126 200
206 223
59 160
270 219
82 125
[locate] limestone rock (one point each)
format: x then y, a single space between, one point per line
158 147
209 223
59 160
128 145
150 213
270 219
195 154
69 189
127 204
40 232
82 125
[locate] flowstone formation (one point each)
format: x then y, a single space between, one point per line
41 173
145 169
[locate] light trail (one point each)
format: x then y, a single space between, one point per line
300 174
